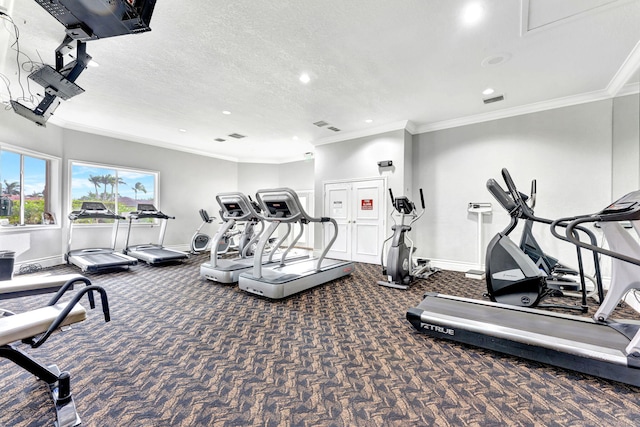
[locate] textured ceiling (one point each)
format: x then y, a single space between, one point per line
388 62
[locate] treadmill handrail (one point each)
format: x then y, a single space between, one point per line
149 214
297 216
570 237
94 214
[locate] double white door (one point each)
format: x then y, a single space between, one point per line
359 209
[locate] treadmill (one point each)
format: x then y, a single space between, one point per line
282 205
94 260
600 346
237 207
152 254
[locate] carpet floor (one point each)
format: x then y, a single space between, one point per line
183 351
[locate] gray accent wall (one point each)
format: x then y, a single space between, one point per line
582 157
567 150
626 145
188 182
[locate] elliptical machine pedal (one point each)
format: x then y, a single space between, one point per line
401 269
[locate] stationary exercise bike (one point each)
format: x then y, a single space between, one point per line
401 269
201 242
512 276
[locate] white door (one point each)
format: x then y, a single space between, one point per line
336 206
359 209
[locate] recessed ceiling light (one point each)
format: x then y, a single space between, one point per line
182 130
304 78
93 63
368 121
472 13
226 112
488 91
494 60
295 138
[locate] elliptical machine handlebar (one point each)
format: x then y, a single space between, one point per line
422 200
501 196
511 186
532 195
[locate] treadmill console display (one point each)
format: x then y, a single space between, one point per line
278 209
145 207
93 206
625 208
233 209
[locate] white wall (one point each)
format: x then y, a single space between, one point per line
358 159
626 145
295 175
567 150
22 133
255 176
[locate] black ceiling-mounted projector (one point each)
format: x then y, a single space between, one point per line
97 19
83 20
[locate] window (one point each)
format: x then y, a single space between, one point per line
25 179
119 189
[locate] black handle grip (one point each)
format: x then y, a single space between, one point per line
533 188
511 186
422 199
391 194
500 195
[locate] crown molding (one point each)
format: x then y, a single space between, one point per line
134 138
630 65
401 125
516 111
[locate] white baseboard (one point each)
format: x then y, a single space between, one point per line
41 262
462 267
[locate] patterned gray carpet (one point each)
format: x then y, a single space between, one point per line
181 351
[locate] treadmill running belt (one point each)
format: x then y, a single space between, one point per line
567 327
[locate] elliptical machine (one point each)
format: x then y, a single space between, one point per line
401 268
559 276
512 276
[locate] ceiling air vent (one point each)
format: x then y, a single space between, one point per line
494 99
321 123
333 128
237 136
219 140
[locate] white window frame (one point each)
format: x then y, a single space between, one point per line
117 168
54 193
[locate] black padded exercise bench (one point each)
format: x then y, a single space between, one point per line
34 328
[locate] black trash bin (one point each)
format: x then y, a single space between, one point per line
7 258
